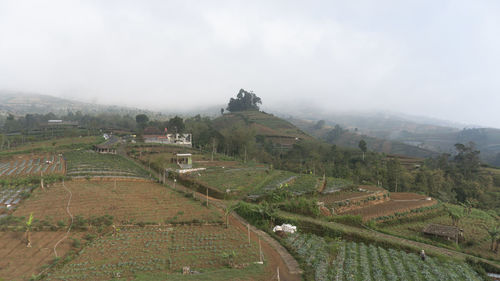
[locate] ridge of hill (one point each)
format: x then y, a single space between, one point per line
21 103
351 139
267 126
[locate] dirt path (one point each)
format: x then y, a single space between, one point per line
70 215
276 255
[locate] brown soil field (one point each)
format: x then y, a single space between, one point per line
408 202
341 195
407 196
18 262
126 202
348 194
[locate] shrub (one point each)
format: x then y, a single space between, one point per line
355 220
303 206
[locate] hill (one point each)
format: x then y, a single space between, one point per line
266 126
351 139
410 136
20 104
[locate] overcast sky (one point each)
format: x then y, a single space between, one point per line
433 58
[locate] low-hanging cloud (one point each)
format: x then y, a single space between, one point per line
435 58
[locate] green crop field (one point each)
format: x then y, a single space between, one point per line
360 262
476 238
89 163
136 250
242 180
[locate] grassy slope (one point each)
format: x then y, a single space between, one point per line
350 139
264 124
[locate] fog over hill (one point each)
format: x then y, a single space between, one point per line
175 55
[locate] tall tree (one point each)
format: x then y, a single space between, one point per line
142 121
362 146
467 159
176 125
244 101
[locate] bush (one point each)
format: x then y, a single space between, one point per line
354 220
80 223
303 206
76 243
89 237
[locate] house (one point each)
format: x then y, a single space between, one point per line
176 139
445 231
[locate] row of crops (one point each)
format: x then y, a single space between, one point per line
361 262
85 163
134 250
32 166
258 181
12 196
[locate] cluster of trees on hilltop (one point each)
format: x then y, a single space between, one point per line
244 101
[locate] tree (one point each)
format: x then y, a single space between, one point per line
142 120
28 230
222 111
455 216
362 146
176 125
335 133
467 159
244 101
494 233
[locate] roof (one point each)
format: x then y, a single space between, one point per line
442 230
183 154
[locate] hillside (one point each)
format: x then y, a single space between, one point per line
268 126
394 135
20 104
352 138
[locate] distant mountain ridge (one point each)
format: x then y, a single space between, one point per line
21 103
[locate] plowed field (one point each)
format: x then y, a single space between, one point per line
17 262
126 202
398 203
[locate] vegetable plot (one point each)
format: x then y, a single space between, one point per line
27 165
134 250
93 164
361 262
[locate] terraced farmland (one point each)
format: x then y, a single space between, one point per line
31 165
87 163
410 202
167 249
250 180
126 201
358 261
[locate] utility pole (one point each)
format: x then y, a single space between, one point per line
260 252
248 227
245 154
213 148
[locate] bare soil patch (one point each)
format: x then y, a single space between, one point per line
18 262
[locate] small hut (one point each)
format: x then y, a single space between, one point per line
445 231
184 160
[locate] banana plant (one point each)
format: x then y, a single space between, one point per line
28 230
